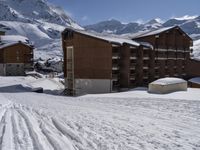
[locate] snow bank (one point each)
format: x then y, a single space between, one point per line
48 85
168 80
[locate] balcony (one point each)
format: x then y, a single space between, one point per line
115 56
146 54
180 55
132 76
133 53
145 67
145 77
133 57
115 67
161 55
115 77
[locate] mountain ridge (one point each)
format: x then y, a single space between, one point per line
190 25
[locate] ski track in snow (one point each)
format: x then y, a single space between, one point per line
31 121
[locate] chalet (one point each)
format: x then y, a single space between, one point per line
16 55
97 63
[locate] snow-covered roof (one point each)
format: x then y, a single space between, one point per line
195 80
10 44
157 31
154 32
110 38
10 40
168 81
13 38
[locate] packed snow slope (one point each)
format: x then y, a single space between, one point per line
97 122
38 20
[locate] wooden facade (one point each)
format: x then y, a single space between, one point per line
171 53
124 65
193 68
16 58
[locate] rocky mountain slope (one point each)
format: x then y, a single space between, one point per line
116 27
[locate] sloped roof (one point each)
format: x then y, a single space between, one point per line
13 38
10 40
158 31
12 44
109 38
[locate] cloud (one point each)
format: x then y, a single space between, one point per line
84 18
140 21
69 13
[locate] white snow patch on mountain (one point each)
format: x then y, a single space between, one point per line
37 20
196 50
186 17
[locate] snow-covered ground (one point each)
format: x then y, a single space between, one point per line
132 120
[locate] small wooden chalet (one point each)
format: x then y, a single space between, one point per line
16 55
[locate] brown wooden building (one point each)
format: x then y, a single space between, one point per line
100 64
15 57
193 68
95 63
171 53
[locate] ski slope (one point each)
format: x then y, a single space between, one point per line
32 121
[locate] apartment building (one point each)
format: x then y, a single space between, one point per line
171 52
97 63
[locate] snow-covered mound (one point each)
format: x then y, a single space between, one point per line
168 80
37 20
47 84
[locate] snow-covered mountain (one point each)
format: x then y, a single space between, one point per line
116 27
38 20
190 24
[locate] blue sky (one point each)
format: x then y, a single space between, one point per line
91 11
